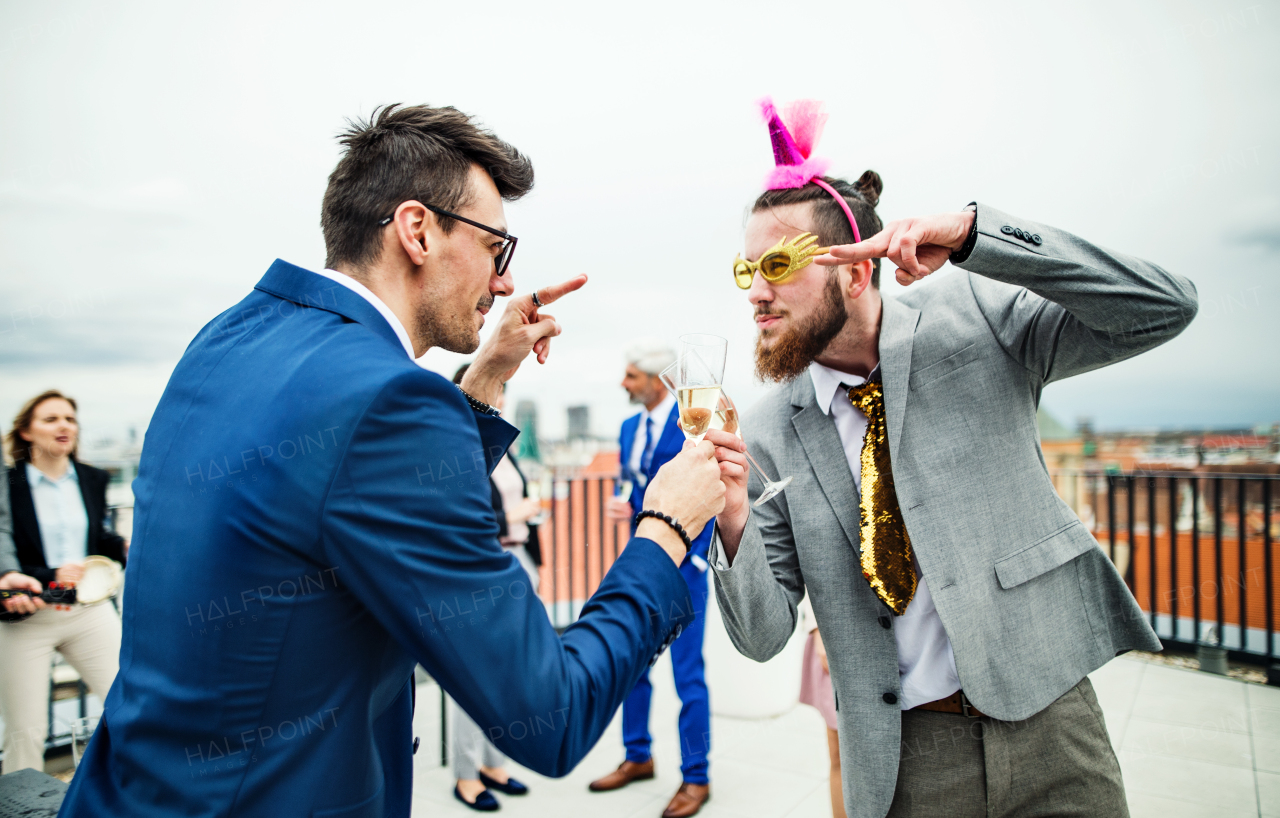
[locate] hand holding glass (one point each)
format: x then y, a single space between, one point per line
725 418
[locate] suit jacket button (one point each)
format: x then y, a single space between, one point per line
884 621
1007 230
1035 239
890 698
1018 232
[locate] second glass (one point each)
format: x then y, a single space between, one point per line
699 372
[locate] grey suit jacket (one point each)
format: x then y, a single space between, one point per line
1030 602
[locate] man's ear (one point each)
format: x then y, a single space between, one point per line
411 222
859 278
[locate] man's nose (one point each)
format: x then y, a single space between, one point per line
761 291
502 285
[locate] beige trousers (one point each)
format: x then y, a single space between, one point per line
88 637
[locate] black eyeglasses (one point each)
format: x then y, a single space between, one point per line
500 261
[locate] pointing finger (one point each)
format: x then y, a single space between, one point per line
550 294
875 247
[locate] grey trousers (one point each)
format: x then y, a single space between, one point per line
469 749
1059 762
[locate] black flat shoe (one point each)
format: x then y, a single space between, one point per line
485 802
512 787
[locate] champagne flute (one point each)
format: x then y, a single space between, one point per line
726 419
698 373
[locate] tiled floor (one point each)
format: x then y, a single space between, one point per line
1190 745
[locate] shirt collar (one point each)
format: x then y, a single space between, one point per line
35 476
827 381
378 304
660 412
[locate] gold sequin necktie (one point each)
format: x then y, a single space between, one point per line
886 548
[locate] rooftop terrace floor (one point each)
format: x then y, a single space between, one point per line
1191 745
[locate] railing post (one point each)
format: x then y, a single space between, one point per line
1268 581
1243 538
1131 570
1173 556
551 555
570 525
1217 556
1195 556
1111 518
1151 538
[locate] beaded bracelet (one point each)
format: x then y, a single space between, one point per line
479 405
675 525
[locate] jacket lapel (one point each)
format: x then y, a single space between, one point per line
305 288
95 510
626 440
670 442
821 441
897 333
26 528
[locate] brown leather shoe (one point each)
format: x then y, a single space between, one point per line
688 800
627 772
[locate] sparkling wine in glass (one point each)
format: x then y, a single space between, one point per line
695 380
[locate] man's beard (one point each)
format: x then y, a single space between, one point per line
793 351
455 334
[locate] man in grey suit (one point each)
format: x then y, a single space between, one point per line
962 603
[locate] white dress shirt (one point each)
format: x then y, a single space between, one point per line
61 516
926 663
660 414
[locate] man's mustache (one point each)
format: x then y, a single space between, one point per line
486 302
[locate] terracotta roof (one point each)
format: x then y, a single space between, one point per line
604 464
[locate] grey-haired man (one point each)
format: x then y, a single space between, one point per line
649 439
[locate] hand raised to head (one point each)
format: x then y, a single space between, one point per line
522 329
918 246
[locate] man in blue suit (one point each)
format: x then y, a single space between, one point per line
649 440
313 516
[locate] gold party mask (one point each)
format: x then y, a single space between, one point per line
779 262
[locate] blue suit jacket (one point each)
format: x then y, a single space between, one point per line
669 445
312 516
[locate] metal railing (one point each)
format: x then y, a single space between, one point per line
1195 548
579 544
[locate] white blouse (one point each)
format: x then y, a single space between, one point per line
60 513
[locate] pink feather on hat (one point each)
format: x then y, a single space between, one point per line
793 146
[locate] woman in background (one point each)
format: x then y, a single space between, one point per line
477 764
59 510
817 692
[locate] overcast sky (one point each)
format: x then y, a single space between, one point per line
158 156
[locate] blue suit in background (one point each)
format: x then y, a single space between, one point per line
686 652
313 517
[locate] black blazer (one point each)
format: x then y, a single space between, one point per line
26 529
534 545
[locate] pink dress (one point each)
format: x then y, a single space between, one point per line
815 684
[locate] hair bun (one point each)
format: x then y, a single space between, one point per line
870 186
